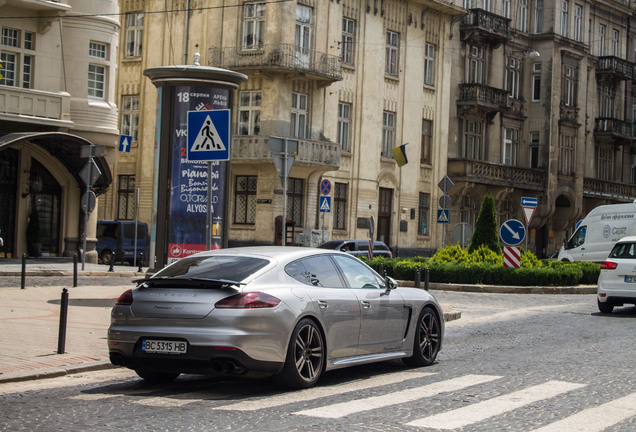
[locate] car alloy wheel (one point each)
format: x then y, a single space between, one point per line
427 339
305 356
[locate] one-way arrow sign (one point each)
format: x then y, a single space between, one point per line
512 232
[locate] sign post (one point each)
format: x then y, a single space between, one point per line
283 161
445 184
89 174
529 206
325 202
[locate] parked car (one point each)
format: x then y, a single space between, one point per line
116 240
290 312
617 281
358 247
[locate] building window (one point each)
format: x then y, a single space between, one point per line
505 8
605 163
607 102
302 35
249 115
513 74
96 80
429 64
538 16
391 57
486 5
601 40
97 50
536 82
510 146
476 65
578 17
564 18
295 200
344 126
348 40
253 25
130 116
134 34
423 213
566 154
534 149
523 15
299 115
427 136
616 42
126 197
472 140
468 212
245 200
18 61
569 86
388 133
339 206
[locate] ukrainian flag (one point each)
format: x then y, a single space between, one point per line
399 153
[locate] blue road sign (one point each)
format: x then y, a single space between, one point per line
443 216
529 202
325 187
209 135
325 204
512 232
124 143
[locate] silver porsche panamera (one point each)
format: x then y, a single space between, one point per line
290 312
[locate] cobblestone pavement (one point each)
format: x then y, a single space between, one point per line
512 363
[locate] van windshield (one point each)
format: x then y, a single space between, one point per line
578 238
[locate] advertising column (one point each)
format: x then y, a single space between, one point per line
180 210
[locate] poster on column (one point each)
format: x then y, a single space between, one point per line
189 179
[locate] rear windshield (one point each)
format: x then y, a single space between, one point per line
380 246
623 250
235 268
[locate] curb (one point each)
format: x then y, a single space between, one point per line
56 372
501 289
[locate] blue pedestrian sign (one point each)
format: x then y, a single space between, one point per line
125 143
443 216
512 232
209 135
325 204
529 202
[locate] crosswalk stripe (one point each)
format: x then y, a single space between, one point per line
489 408
170 401
597 418
94 397
395 398
319 392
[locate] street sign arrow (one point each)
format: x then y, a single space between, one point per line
529 202
512 232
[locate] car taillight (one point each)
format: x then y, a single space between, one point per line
249 300
608 265
125 299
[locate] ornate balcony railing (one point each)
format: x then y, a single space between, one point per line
496 174
616 67
310 152
480 97
278 57
615 129
486 25
608 189
40 106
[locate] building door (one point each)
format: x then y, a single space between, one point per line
302 36
8 198
385 205
47 201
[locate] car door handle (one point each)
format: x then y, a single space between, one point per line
365 304
323 304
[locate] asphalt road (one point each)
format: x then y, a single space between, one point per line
511 363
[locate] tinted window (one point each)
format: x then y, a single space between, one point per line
106 230
234 268
334 244
316 271
129 230
623 250
357 274
380 246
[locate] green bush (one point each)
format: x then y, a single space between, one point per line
450 254
591 272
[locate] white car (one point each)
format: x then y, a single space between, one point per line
617 282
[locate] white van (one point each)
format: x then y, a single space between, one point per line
602 227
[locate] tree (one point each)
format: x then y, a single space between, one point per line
486 227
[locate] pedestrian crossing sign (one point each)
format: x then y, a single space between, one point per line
443 216
209 135
325 204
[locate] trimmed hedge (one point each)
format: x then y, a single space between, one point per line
542 273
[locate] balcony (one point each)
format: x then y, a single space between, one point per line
483 26
481 99
35 106
611 68
444 6
594 188
279 58
254 148
611 130
489 173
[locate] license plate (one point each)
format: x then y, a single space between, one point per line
630 279
155 346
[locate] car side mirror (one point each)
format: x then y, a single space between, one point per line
390 283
